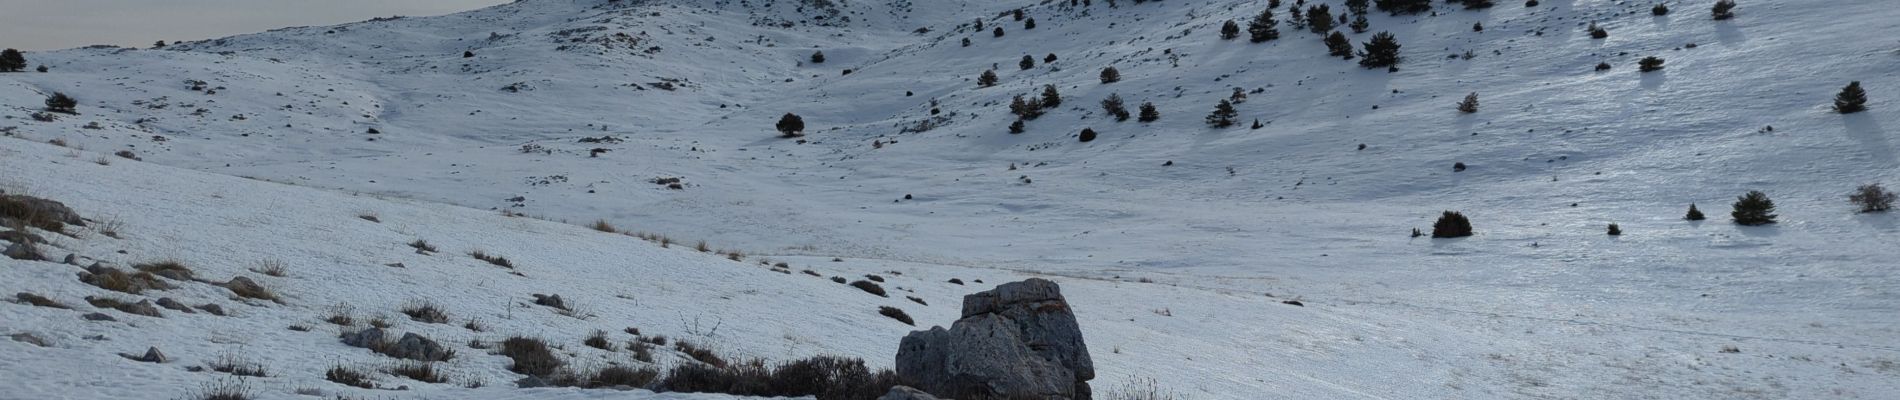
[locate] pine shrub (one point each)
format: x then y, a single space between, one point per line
1451 224
1851 100
1754 209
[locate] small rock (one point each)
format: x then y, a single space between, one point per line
174 305
906 393
366 338
23 251
214 309
152 355
31 339
98 317
550 301
531 382
416 347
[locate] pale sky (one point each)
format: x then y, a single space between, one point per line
59 24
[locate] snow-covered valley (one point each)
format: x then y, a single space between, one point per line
1176 241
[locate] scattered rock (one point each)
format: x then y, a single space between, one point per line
416 347
98 317
214 309
1019 340
906 393
550 301
31 339
23 251
367 338
143 307
22 237
152 355
531 382
174 305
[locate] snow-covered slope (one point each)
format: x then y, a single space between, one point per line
1539 304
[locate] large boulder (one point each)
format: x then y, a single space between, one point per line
1019 340
367 338
419 348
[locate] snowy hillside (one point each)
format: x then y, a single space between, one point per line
571 110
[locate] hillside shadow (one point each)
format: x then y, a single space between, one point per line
1863 128
1654 80
1728 34
1881 221
1764 231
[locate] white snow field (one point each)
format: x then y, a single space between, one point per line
1176 242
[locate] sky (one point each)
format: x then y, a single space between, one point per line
59 24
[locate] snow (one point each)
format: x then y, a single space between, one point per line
1540 304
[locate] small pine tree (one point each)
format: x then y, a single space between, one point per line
61 103
1451 224
1113 106
1027 62
1723 10
1049 58
12 60
1872 198
988 79
1050 98
1659 10
1382 51
1603 66
1088 135
791 125
1257 124
1111 75
1597 32
1650 64
1470 105
1296 17
1338 45
998 32
1694 214
1223 115
1615 230
1017 13
818 57
1477 27
1319 19
1851 100
1400 7
1357 6
966 42
1229 30
1476 4
1359 23
159 45
1753 209
1149 113
1029 24
1016 127
1263 27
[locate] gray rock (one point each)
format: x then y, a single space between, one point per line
98 317
143 307
21 237
1019 340
212 308
367 338
174 305
43 208
416 347
23 251
31 339
906 393
152 355
244 285
531 382
550 301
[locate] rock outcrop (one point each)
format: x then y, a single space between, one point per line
1019 340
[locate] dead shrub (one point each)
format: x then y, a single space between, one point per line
117 280
231 362
531 356
349 376
420 371
425 311
896 314
603 226
598 340
170 269
272 268
498 261
869 287
700 354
